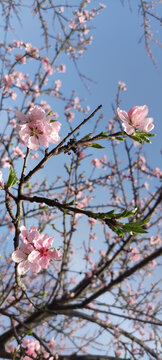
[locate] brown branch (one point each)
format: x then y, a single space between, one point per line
124 276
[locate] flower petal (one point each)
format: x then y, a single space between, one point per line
34 256
23 267
122 115
18 256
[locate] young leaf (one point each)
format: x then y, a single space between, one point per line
71 202
97 146
121 138
12 179
110 214
126 213
30 332
104 134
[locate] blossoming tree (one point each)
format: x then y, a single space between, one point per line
80 234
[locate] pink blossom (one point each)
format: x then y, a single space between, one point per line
42 254
70 116
13 95
118 353
96 162
37 128
32 346
93 236
10 348
61 9
146 185
46 355
5 162
18 152
35 251
35 156
20 58
61 68
81 155
47 65
72 24
52 344
18 43
135 255
33 51
91 250
9 80
57 86
104 158
102 253
87 257
72 280
28 236
155 239
157 172
122 85
1 180
135 119
20 256
92 222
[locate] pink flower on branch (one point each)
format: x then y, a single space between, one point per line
135 119
35 251
37 128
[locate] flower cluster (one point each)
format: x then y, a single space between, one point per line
35 251
135 119
32 348
37 128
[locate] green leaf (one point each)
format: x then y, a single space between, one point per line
71 202
96 216
137 138
104 134
66 212
142 136
45 207
145 138
126 213
134 230
30 332
45 293
12 179
52 120
121 138
135 227
49 113
28 185
110 214
15 353
87 136
97 146
151 135
119 232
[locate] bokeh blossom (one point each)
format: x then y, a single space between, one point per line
135 119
